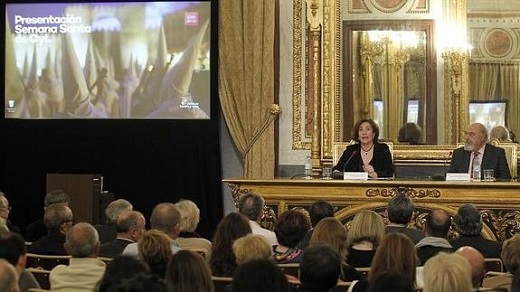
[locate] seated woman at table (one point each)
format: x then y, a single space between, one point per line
367 155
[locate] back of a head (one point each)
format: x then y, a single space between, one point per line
500 133
468 220
230 228
251 205
320 267
8 277
120 268
438 223
511 254
140 283
190 215
188 272
82 240
332 232
390 282
366 225
154 247
447 273
56 197
165 217
116 207
128 220
260 275
319 210
476 260
400 209
395 254
12 246
291 227
250 247
55 215
410 132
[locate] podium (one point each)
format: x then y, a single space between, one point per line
87 200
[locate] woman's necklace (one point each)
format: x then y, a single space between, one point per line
367 150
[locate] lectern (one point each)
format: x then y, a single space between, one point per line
87 200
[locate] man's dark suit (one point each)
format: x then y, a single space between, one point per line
488 248
113 248
494 158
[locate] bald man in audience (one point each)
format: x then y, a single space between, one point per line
58 219
436 228
166 218
476 260
107 232
130 225
8 277
84 270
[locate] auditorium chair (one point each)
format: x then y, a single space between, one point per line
46 262
222 284
42 276
292 269
493 265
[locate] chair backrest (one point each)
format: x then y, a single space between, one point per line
42 276
292 269
341 287
494 265
339 147
222 284
45 262
511 154
363 271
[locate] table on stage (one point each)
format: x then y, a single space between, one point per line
499 202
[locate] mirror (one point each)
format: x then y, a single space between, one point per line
391 77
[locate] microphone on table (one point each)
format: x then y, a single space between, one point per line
349 159
448 158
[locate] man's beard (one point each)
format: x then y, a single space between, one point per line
468 146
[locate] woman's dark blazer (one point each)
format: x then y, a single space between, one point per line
381 161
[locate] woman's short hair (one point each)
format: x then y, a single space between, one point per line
375 129
155 249
446 273
250 247
260 275
511 254
366 225
188 271
500 133
291 227
409 132
331 232
190 215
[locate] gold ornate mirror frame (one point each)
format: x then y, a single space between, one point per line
317 86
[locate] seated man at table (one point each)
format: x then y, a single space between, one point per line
477 152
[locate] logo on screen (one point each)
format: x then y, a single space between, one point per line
191 18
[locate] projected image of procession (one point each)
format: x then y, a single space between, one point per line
127 60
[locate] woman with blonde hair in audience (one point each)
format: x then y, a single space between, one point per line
447 273
251 247
189 238
188 272
290 229
230 228
364 236
331 232
154 248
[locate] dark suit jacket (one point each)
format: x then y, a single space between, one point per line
381 161
35 230
113 248
107 232
414 234
488 248
493 158
50 244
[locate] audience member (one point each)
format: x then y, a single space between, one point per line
515 284
3 226
320 268
84 270
468 224
189 238
436 228
8 277
500 133
188 272
290 228
5 209
447 273
142 282
391 282
120 268
364 236
58 219
318 210
107 232
155 250
130 225
251 205
260 275
410 133
251 247
232 227
12 249
166 218
331 232
476 261
511 260
36 230
395 254
399 213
